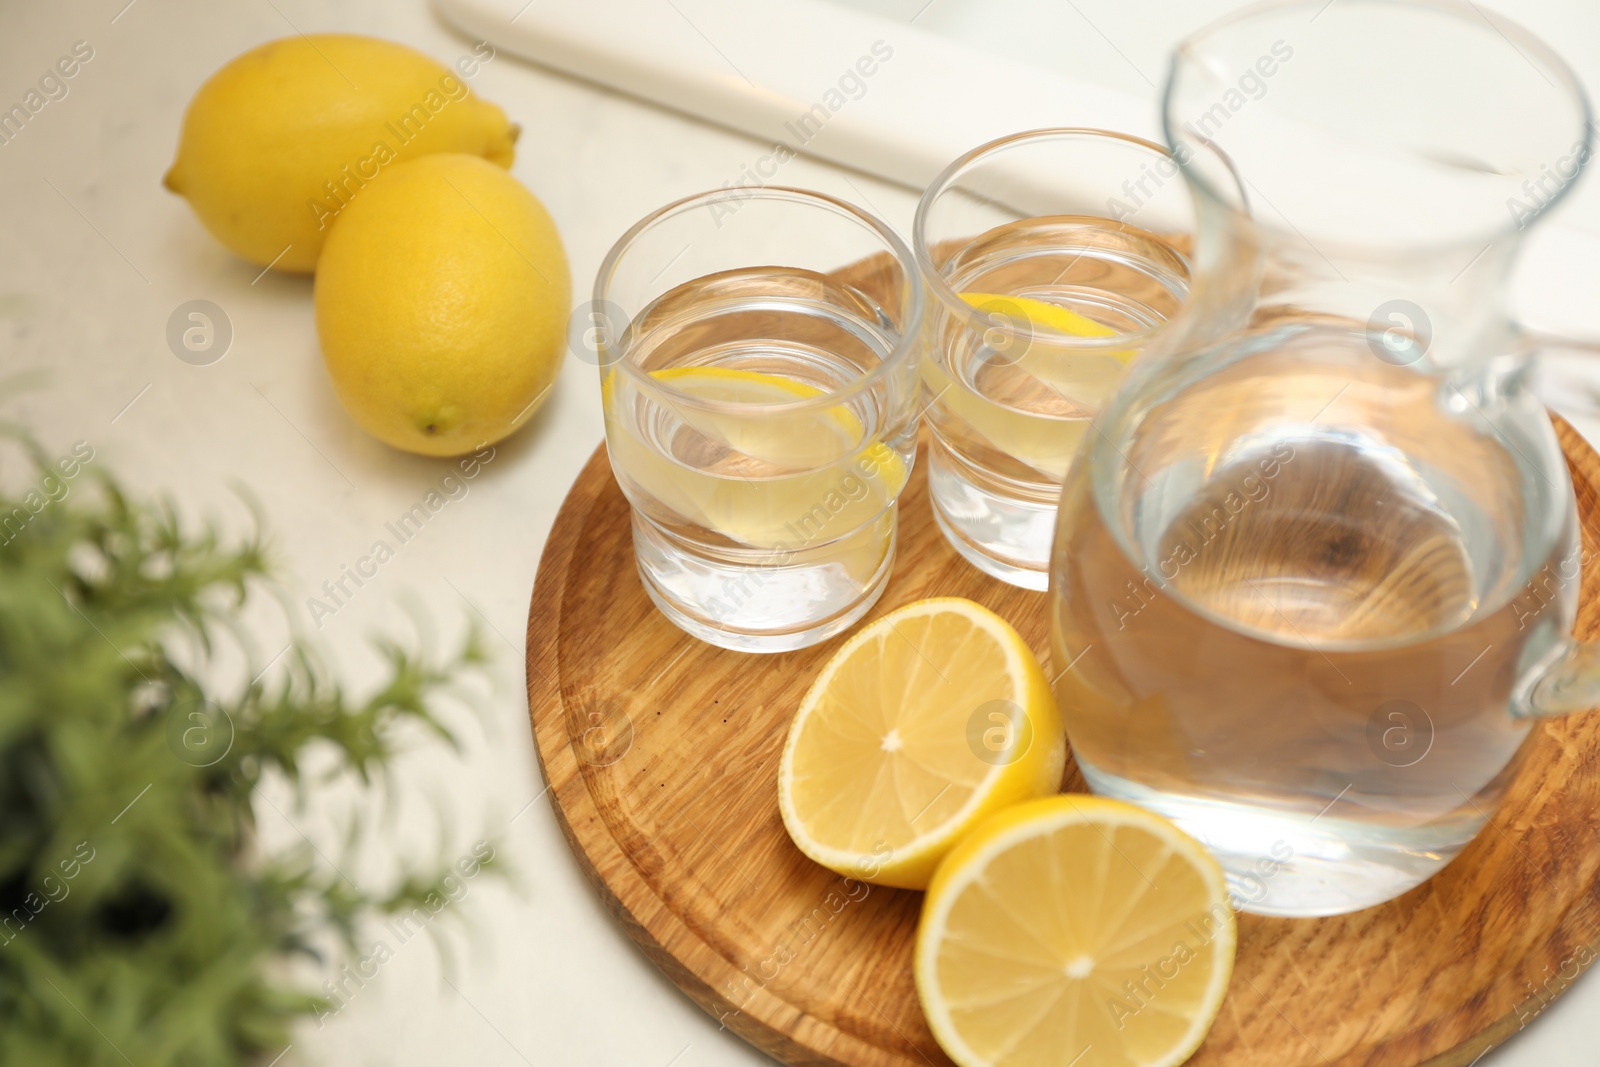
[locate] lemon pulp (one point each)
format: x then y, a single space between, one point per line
922 724
1075 929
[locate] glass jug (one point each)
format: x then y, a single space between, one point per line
1315 575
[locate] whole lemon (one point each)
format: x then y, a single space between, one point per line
283 137
441 304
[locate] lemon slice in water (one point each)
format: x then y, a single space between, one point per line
1031 399
766 479
1043 313
811 438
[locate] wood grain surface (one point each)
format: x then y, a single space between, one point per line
661 754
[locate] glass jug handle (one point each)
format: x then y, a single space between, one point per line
1571 682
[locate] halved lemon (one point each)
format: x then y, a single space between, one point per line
922 724
1074 929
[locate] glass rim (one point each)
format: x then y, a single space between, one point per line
1544 59
980 321
905 344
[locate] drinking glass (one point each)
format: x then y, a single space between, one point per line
759 386
1051 259
1317 568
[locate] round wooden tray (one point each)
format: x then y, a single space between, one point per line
662 755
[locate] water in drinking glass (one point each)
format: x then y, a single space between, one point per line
758 376
1069 301
1046 278
763 480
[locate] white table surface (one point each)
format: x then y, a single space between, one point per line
97 256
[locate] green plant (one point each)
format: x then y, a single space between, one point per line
137 923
